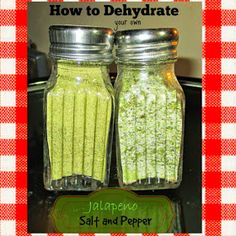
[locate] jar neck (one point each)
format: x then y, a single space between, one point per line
162 70
71 70
74 67
156 67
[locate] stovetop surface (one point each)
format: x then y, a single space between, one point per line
188 195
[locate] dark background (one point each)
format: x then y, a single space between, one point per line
188 196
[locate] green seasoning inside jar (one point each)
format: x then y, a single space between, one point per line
79 109
150 110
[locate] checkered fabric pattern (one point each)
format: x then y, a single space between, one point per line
219 118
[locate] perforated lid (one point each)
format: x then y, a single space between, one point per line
146 45
81 43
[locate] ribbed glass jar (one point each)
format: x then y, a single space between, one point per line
150 106
79 108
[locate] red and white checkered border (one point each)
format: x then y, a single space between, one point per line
219 118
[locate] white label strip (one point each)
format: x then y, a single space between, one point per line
203 162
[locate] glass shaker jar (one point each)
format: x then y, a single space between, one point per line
150 106
78 108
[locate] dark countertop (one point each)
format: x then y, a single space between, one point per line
188 195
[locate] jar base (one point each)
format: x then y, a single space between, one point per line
74 183
151 184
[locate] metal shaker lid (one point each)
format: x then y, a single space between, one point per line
81 43
149 45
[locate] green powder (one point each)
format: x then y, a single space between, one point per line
79 109
150 121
